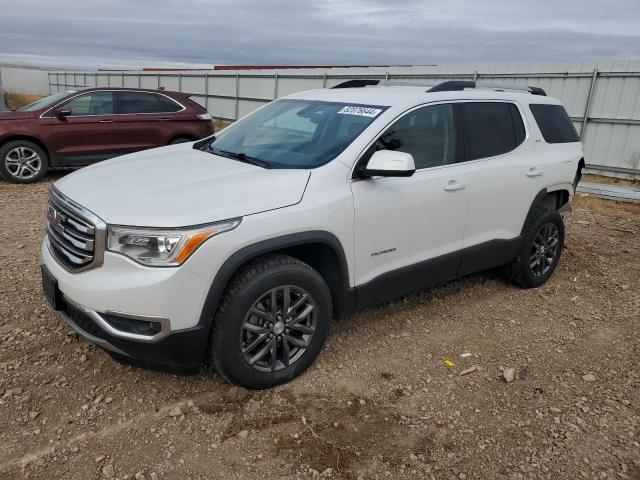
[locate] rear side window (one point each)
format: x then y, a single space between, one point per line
554 123
491 128
142 102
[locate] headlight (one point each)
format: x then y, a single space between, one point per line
163 247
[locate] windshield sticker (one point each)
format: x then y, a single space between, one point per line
360 111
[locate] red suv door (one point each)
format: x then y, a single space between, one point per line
146 119
89 133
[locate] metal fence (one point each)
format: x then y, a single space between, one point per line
602 98
30 81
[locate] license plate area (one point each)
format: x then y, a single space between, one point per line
50 289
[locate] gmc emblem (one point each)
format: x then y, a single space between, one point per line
55 217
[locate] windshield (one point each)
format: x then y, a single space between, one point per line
45 102
295 133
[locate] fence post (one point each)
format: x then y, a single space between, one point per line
324 80
237 107
158 75
275 86
587 107
95 79
139 80
122 79
475 75
206 90
179 82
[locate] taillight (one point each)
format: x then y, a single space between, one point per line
204 116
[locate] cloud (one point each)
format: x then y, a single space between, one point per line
120 33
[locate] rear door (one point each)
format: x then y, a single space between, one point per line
89 133
146 119
504 176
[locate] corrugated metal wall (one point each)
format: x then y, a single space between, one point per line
24 80
605 93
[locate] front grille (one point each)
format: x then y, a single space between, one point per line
75 235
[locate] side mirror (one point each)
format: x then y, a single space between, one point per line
62 112
389 163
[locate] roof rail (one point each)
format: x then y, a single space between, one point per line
356 83
457 85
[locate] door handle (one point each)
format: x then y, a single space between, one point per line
164 119
534 172
454 185
105 121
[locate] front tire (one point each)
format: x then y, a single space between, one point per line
22 161
272 322
540 252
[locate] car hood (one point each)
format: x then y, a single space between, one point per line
178 186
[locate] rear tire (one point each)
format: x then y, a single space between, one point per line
272 322
22 161
541 249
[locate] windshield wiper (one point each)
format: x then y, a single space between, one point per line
243 157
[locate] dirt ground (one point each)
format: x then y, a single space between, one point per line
379 403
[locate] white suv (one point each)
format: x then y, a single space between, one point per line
237 251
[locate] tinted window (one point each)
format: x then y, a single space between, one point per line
491 128
554 123
93 103
428 134
141 102
169 105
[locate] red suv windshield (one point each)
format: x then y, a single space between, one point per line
45 102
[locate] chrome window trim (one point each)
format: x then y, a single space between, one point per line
523 116
183 108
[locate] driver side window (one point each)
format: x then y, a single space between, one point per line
428 133
93 103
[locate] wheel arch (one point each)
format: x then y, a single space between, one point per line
554 197
187 136
27 138
320 249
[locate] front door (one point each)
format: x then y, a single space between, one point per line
409 230
89 133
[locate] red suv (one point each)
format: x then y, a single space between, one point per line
78 127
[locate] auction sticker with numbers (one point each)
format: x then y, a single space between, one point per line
361 111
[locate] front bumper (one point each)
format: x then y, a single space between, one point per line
181 351
95 303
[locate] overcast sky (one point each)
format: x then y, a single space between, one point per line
135 33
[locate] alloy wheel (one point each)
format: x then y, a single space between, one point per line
278 328
544 249
23 163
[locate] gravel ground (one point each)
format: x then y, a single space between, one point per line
381 402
